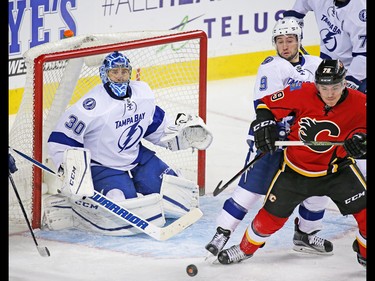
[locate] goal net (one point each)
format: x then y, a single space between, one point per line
173 63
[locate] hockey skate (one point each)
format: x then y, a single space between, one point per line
219 240
232 255
362 261
310 243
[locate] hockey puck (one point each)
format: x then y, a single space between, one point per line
191 270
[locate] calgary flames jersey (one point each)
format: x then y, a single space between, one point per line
315 121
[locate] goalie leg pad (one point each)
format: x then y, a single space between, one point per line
179 196
77 173
57 213
88 216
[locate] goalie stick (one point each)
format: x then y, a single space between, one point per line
43 251
158 233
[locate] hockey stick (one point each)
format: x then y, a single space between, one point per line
303 50
159 233
43 251
308 143
219 189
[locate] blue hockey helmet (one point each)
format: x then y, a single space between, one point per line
115 60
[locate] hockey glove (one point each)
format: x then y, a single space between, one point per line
12 164
265 135
189 131
356 146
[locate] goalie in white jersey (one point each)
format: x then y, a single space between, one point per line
108 124
288 68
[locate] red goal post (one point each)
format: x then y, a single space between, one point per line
173 63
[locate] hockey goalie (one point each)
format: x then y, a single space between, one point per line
97 145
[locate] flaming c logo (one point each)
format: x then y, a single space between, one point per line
312 130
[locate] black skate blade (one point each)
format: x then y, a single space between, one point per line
310 251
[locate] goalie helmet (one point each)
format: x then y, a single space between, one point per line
287 26
330 72
115 60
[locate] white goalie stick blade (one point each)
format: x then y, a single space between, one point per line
180 224
159 233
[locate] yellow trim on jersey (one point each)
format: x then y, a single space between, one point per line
310 174
302 171
273 182
359 176
262 106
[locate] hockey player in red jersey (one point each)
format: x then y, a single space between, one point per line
324 111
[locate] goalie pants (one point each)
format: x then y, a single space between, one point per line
145 178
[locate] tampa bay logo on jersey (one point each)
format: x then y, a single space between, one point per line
313 130
132 133
328 34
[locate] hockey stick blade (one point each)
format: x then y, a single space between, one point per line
43 251
159 233
180 224
219 189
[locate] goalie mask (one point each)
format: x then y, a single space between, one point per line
287 26
115 60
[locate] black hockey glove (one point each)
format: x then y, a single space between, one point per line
356 146
265 135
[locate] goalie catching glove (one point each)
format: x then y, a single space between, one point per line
188 131
265 131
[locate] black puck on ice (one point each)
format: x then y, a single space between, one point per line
191 270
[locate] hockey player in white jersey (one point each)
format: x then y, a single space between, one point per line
343 35
288 68
109 124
